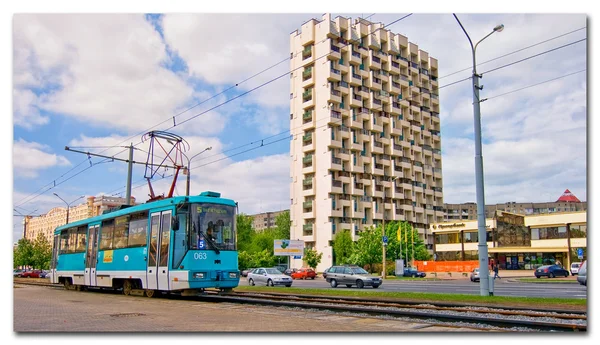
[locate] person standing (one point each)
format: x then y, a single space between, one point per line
496 272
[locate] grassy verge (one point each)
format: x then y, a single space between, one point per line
567 303
546 280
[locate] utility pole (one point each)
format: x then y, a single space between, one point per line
383 242
129 172
68 204
189 160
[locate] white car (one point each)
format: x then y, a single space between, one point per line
268 276
575 268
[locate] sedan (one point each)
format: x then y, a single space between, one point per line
246 271
304 273
551 271
475 275
268 276
413 272
31 274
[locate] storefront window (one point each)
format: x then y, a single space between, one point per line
471 255
447 238
448 256
512 232
550 233
471 237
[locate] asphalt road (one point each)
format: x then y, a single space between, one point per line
502 287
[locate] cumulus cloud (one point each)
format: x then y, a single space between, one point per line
31 157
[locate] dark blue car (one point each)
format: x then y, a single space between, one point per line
551 271
413 272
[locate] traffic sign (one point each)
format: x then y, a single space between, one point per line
297 257
385 239
580 253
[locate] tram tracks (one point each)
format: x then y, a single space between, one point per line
444 314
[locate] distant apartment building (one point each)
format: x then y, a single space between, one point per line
364 113
265 220
57 216
468 211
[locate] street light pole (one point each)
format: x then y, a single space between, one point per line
479 185
68 204
187 185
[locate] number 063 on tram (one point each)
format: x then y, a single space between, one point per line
180 244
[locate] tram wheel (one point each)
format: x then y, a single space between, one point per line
127 287
68 285
149 293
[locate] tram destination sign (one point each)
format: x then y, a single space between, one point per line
288 248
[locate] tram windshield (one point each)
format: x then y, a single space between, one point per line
213 227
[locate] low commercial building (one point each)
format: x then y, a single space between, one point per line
515 241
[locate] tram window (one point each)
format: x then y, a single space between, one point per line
138 230
121 232
72 240
81 239
64 242
106 236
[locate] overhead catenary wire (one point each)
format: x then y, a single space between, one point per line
380 107
260 86
175 124
513 52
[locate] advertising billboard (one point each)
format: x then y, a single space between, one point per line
288 248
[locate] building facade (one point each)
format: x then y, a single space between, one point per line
364 114
515 241
45 224
468 211
265 220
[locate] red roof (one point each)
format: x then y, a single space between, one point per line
568 197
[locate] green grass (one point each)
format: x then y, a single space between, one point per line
546 280
427 296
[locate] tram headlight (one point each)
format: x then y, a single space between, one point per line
232 275
199 275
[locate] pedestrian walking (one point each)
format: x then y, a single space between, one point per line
496 272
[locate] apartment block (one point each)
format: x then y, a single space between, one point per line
567 202
364 113
262 221
46 223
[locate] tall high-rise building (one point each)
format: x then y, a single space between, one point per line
366 132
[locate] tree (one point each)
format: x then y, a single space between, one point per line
22 255
244 231
41 253
312 258
368 249
283 225
343 247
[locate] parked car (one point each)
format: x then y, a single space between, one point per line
31 274
325 272
245 272
475 275
17 273
304 273
269 276
352 275
575 268
413 272
582 275
44 274
551 271
289 271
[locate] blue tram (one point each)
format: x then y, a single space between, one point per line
182 244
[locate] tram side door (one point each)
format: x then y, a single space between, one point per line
55 259
158 251
91 256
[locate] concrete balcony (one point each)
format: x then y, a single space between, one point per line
358 169
334 75
309 214
335 53
344 132
355 100
355 58
377 147
375 127
335 187
394 108
378 169
374 83
308 146
335 96
373 62
334 163
334 213
374 103
308 169
359 213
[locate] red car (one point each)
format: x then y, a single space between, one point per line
304 273
30 274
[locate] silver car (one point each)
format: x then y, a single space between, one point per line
269 277
351 275
475 275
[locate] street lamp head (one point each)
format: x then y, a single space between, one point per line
55 194
209 148
499 28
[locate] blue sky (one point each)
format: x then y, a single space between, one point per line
98 79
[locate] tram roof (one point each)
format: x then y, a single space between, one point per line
204 197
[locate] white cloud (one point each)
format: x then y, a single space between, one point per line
99 68
26 110
30 157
